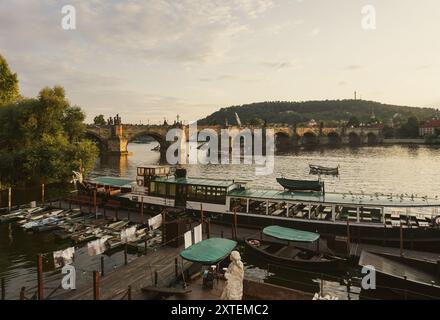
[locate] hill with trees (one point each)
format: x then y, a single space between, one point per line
331 112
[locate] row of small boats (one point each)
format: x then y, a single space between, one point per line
79 228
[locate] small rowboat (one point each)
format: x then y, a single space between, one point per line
287 255
315 169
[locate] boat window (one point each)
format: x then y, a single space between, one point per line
162 189
172 190
152 187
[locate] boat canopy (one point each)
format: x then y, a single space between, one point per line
113 181
210 251
290 234
312 185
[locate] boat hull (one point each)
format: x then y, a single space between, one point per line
327 264
414 239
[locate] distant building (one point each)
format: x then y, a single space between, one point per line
312 123
429 128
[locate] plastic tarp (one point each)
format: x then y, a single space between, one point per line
290 234
128 235
155 222
210 251
198 234
188 239
63 257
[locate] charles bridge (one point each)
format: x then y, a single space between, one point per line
114 138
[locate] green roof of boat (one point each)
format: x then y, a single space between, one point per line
114 181
365 200
210 251
196 181
290 234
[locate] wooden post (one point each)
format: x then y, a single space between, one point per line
164 215
102 267
221 234
22 293
94 204
348 236
235 223
142 210
201 217
116 214
145 244
176 269
42 194
9 199
156 276
401 239
208 230
40 277
95 285
125 254
129 293
3 289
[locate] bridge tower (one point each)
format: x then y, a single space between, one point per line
117 143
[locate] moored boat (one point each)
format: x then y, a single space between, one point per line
290 255
316 169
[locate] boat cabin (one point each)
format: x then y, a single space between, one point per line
161 185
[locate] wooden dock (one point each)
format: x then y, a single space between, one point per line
156 268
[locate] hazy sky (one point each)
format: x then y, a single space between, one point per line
150 59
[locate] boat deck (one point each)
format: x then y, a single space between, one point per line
357 248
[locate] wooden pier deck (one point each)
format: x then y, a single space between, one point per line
138 274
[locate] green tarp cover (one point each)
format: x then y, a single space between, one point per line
113 181
290 234
314 185
209 251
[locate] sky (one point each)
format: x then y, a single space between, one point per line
153 59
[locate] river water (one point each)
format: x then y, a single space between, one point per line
384 169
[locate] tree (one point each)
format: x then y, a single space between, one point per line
41 140
258 122
99 120
8 83
353 121
410 129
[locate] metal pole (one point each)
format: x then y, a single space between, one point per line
125 254
40 277
42 194
142 210
176 270
95 285
9 199
156 276
401 239
348 236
